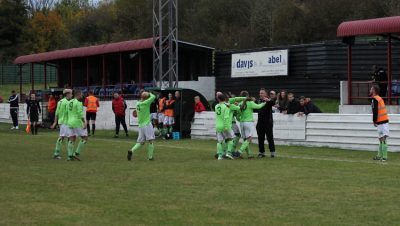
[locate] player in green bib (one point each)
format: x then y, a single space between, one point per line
61 117
146 130
77 126
247 108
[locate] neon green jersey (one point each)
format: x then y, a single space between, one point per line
61 111
143 111
75 114
236 99
233 109
247 113
221 117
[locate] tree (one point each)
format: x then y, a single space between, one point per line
46 32
13 18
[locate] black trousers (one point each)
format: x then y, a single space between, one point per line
14 116
177 125
265 130
120 120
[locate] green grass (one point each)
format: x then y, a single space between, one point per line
186 186
5 90
327 105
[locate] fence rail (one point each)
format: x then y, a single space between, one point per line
9 74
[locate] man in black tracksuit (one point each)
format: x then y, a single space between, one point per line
265 125
14 107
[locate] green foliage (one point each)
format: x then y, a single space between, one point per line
185 185
13 18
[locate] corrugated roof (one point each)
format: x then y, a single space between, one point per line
87 51
369 27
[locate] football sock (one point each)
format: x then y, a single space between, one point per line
58 146
224 146
244 146
80 147
36 129
150 150
170 129
136 147
384 150
88 128
220 151
93 128
230 147
70 149
235 142
380 150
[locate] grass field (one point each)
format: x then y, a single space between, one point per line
186 186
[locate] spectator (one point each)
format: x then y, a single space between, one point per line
307 107
282 101
169 119
177 112
33 110
272 95
51 108
198 106
1 99
119 107
293 105
14 108
380 77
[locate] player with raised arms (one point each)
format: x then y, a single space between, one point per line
146 130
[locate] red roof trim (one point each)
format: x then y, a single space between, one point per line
377 26
86 51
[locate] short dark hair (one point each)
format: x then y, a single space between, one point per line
376 89
302 98
12 91
244 93
221 97
91 92
77 91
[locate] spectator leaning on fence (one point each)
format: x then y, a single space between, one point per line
307 107
282 101
293 105
14 108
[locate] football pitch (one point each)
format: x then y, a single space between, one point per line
185 185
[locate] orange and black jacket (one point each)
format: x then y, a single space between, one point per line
379 114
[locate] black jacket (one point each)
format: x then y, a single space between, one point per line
293 107
310 108
265 113
33 107
13 100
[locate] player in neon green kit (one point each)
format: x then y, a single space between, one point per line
61 117
235 117
146 130
223 126
77 126
247 122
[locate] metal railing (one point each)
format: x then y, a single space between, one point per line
360 92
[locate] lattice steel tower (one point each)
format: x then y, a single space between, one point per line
165 43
